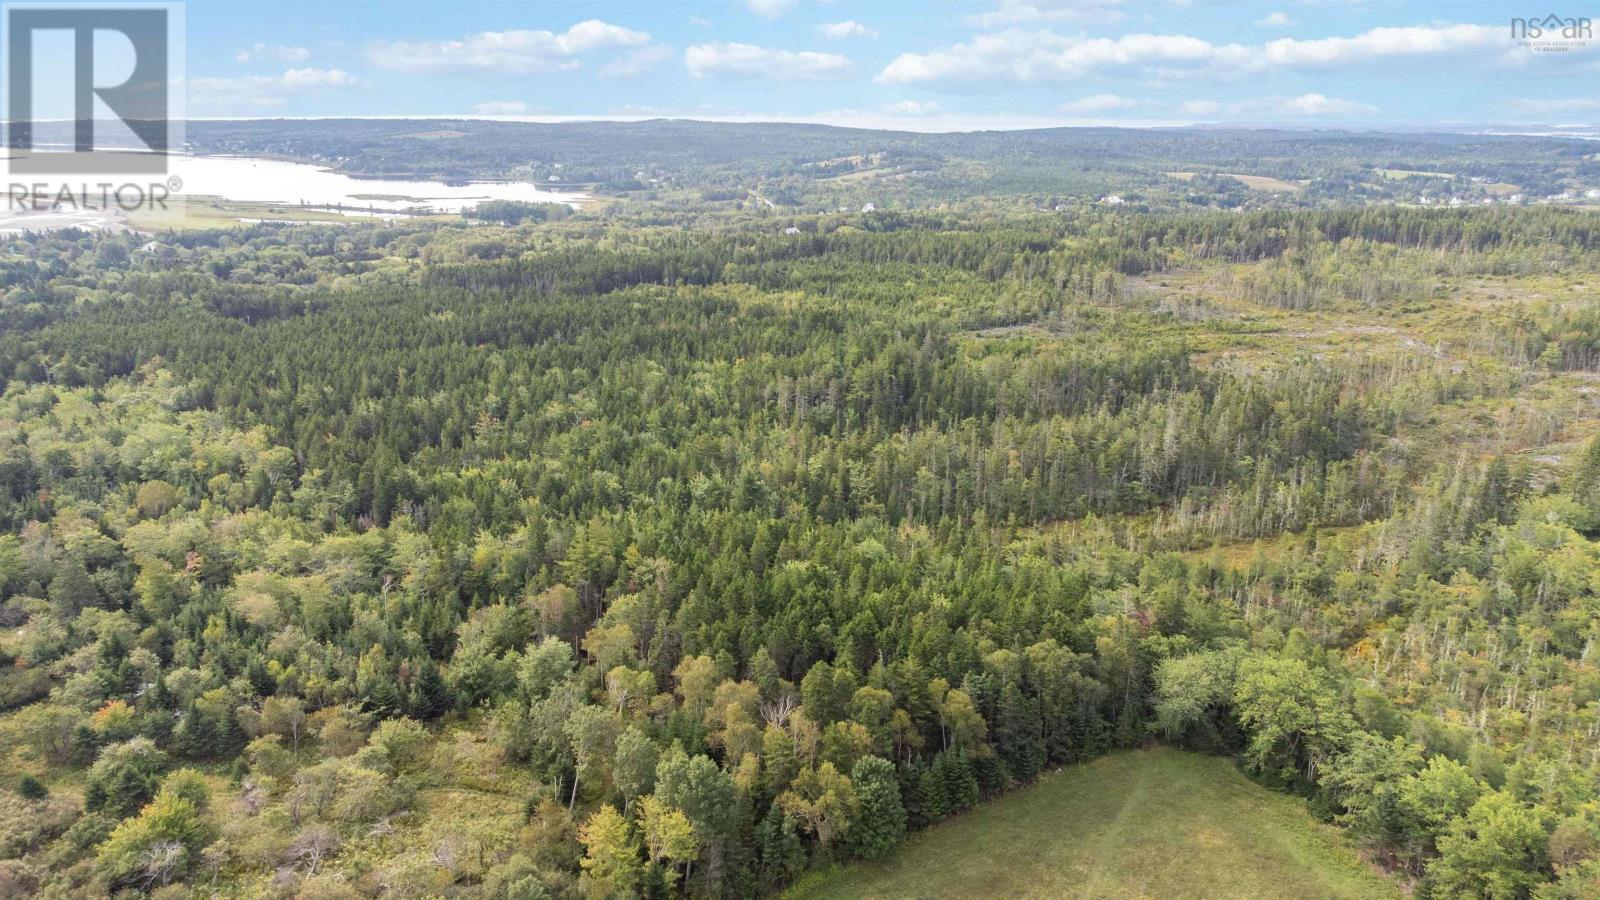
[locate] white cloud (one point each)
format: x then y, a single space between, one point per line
1029 55
1319 105
1031 12
1096 103
1557 104
700 22
1382 42
500 108
263 91
940 122
506 51
846 29
770 8
912 108
1303 106
750 61
636 62
1032 55
309 78
1275 20
703 111
261 50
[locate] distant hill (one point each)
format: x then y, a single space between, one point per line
815 165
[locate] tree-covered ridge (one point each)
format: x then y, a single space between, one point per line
691 559
813 167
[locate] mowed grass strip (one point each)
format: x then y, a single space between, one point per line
1150 823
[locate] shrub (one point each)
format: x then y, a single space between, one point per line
31 788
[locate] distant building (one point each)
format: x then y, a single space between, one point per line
791 230
868 207
1112 200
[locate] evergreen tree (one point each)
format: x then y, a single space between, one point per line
880 822
429 696
1019 734
783 854
71 590
959 784
933 801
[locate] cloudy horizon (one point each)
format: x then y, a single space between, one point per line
975 64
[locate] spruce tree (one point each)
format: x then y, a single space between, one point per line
783 854
933 802
880 821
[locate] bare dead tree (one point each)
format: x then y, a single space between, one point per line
777 711
312 846
161 862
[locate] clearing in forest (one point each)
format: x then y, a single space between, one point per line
1150 823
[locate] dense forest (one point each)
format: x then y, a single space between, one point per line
636 553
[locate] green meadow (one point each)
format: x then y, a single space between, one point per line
1150 823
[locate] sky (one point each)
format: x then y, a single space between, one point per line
940 65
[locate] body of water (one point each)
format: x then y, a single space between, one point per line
276 181
279 182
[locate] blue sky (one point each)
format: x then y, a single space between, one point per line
926 65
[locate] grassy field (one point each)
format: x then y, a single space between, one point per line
1151 823
1398 174
201 211
1253 182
